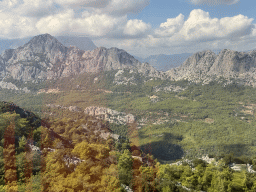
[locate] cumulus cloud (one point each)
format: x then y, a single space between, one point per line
58 23
201 27
214 2
199 31
30 8
83 3
171 26
121 7
97 24
14 26
136 27
97 18
89 24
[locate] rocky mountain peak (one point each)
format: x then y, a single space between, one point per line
44 57
206 65
44 43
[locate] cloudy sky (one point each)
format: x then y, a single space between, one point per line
141 27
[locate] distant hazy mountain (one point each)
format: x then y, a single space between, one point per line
83 43
165 62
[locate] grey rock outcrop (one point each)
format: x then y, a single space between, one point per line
9 85
232 63
206 66
44 57
110 115
194 67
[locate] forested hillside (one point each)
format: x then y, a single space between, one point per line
78 153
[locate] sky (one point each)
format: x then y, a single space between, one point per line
141 27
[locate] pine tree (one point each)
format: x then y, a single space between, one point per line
125 163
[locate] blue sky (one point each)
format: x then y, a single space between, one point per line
141 27
158 11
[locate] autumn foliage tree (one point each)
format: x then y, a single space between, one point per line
9 158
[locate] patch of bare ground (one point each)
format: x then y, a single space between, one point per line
209 120
182 98
249 112
106 91
48 91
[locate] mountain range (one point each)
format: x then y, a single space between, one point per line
207 66
45 57
162 108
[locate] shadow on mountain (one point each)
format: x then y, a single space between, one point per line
236 149
165 150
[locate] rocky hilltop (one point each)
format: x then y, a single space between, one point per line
110 115
44 57
206 66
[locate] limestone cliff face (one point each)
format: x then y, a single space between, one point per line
232 63
207 65
44 57
193 68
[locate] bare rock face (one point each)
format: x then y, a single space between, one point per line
110 115
194 67
232 63
44 57
206 66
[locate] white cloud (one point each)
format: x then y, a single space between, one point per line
8 4
121 7
97 18
83 3
171 26
55 24
201 27
214 2
199 31
30 8
111 7
136 27
96 24
89 24
14 26
36 8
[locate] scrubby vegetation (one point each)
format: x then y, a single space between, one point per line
72 156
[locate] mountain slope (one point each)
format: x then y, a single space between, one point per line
206 66
44 57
